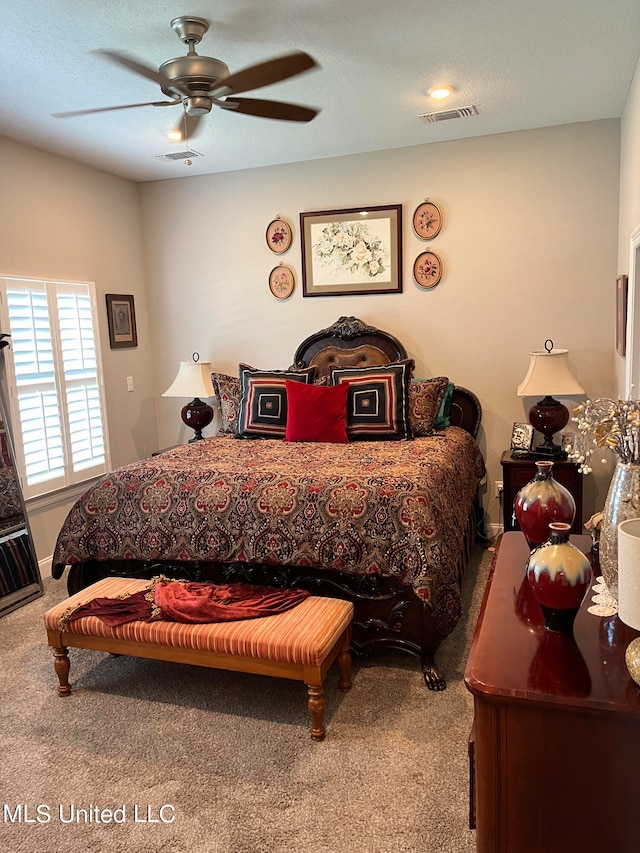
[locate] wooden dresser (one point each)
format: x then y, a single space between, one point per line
555 750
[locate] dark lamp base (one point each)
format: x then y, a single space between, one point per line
197 415
549 416
549 450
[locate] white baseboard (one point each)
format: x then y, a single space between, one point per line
45 567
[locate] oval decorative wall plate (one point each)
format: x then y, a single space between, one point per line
278 236
427 220
427 270
281 281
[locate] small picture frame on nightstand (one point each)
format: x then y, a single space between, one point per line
521 440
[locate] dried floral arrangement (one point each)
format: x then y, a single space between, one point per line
608 424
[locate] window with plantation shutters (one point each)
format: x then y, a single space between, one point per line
55 382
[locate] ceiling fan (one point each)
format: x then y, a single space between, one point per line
199 82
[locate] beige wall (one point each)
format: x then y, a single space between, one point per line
64 220
529 246
629 199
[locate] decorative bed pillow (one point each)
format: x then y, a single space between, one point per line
263 402
227 390
316 412
425 400
442 421
377 401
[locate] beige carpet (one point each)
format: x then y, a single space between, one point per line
228 754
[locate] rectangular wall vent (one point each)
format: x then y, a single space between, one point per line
445 115
178 155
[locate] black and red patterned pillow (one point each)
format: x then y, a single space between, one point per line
262 411
377 401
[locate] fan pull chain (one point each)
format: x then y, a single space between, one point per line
187 162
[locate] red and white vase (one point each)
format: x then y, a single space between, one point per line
560 576
540 502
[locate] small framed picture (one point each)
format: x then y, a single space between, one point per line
521 439
566 440
427 270
281 281
278 236
427 220
121 316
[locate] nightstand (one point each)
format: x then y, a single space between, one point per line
516 473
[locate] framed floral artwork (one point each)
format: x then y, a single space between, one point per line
281 281
427 220
121 316
427 270
278 236
352 251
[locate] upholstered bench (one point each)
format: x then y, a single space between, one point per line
300 643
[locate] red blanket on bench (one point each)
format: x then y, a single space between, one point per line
182 601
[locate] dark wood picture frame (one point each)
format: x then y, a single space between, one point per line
121 315
352 251
622 285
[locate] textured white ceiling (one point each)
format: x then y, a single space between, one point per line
522 64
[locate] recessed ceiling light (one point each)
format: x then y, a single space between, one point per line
175 135
440 91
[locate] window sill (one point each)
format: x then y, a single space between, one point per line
59 496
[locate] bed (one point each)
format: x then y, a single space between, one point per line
380 518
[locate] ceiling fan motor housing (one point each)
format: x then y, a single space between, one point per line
193 73
197 105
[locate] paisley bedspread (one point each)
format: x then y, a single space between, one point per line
389 507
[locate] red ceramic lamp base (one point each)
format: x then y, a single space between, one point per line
549 416
197 415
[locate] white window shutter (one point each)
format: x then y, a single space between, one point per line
57 382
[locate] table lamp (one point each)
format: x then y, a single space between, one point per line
194 380
549 374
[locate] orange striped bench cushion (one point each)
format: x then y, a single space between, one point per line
303 635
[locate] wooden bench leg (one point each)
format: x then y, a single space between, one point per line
316 710
61 664
344 664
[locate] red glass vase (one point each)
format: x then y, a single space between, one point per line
560 576
541 502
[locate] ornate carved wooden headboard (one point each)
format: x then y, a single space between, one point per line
350 342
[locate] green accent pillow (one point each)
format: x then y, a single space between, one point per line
442 420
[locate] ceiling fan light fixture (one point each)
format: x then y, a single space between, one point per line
441 92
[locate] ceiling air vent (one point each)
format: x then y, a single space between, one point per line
178 155
445 115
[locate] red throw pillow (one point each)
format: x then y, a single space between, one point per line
316 412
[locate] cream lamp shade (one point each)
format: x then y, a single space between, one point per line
549 374
194 380
629 572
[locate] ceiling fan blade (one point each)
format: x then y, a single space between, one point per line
264 73
139 68
71 113
270 109
188 126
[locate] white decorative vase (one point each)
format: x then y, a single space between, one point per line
623 502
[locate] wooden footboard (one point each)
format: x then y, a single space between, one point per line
388 614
